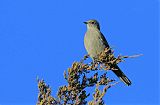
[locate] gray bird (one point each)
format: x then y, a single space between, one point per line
95 43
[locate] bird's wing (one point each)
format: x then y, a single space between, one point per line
103 39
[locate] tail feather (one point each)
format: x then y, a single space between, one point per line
121 75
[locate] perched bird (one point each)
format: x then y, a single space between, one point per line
95 43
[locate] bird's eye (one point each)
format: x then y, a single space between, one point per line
92 22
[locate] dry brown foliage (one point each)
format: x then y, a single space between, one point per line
79 78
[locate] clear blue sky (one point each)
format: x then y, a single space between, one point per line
44 37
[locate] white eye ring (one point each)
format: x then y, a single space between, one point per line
92 22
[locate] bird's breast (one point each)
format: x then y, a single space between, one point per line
93 43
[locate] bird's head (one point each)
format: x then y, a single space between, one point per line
92 24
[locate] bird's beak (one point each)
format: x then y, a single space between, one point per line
85 22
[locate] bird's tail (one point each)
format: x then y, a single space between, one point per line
121 75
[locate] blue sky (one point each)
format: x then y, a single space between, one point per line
43 38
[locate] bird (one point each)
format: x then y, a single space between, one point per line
95 43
